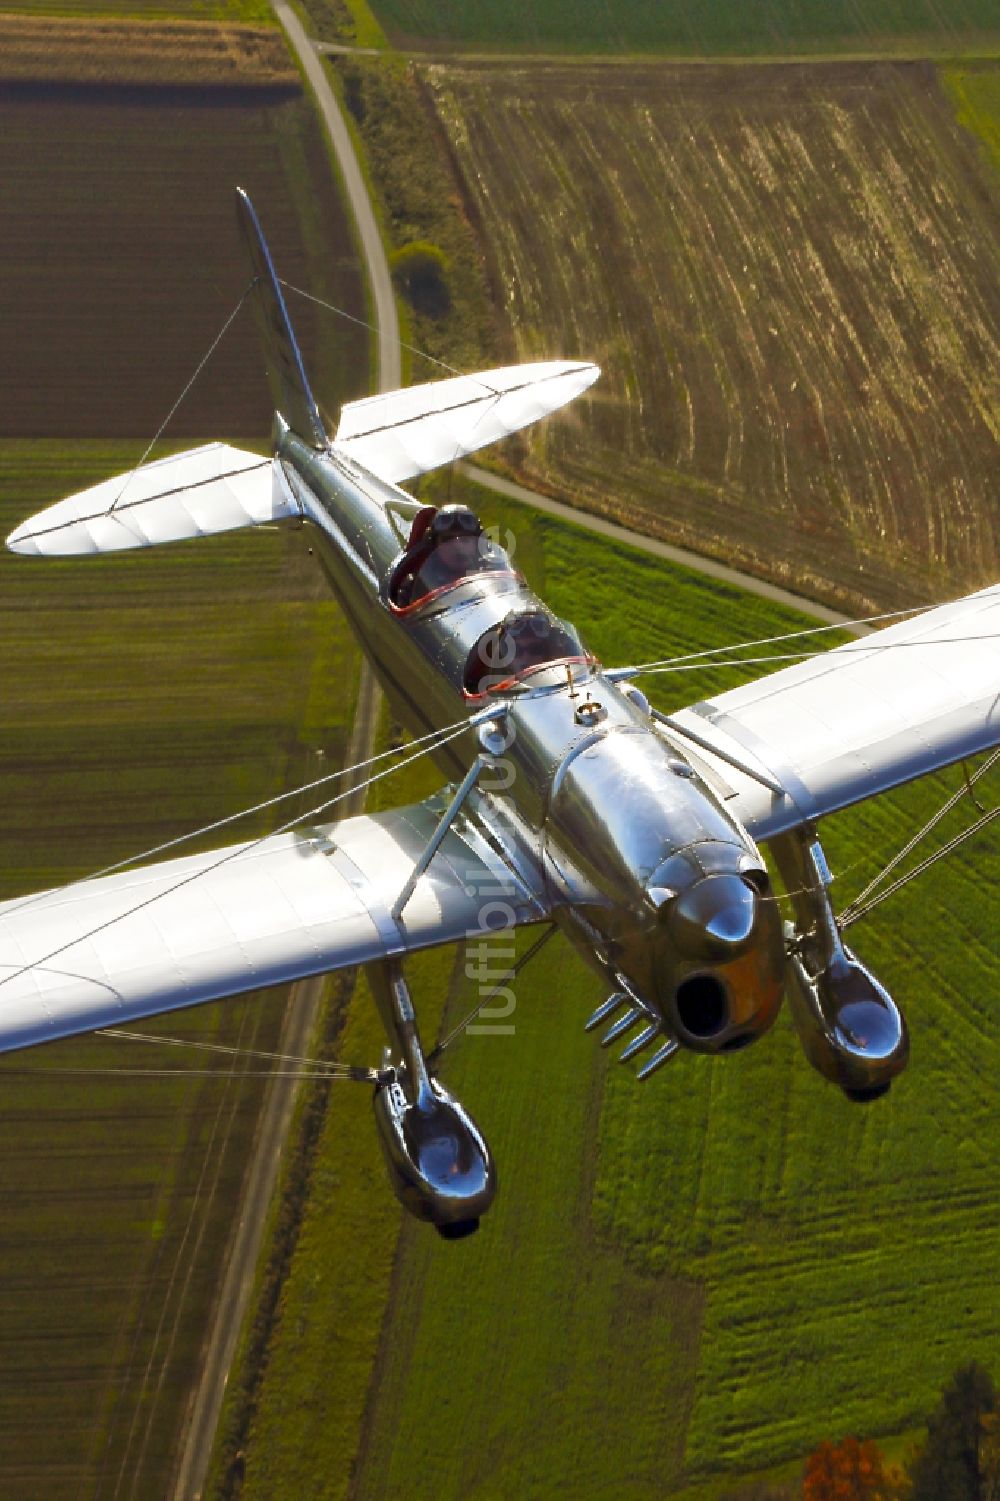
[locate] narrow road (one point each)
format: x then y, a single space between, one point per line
386 320
304 999
245 1244
618 533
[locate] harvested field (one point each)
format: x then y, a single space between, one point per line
121 259
696 28
790 279
104 50
231 12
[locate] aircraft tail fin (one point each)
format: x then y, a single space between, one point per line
286 372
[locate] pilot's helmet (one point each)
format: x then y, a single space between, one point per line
529 626
455 521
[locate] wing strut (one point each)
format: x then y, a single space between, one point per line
433 844
717 750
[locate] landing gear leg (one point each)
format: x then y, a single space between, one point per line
439 1164
850 1027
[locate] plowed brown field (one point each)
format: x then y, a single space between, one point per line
120 257
790 277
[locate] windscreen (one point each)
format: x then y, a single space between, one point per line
517 646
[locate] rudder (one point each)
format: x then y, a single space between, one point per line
286 372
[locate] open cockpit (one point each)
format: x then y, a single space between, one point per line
522 644
445 548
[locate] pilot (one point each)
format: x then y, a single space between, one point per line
522 641
452 546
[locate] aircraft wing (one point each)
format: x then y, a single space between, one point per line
204 490
403 433
212 925
858 720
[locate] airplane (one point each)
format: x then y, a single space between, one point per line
568 801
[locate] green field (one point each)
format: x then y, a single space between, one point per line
680 1283
684 28
975 93
143 696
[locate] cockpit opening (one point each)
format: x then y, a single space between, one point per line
445 547
525 641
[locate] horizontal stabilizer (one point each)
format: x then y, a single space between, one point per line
192 494
403 433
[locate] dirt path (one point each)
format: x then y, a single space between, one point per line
652 545
248 1234
305 997
387 322
453 53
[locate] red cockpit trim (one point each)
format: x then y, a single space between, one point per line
497 573
519 677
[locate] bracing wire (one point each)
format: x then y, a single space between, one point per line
128 1071
860 905
813 630
229 855
305 1068
859 912
230 818
686 664
511 974
198 369
372 328
326 1066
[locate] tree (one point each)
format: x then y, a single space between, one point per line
421 269
989 1455
848 1471
955 1462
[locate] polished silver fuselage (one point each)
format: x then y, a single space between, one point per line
578 783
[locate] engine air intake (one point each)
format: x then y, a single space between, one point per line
702 1005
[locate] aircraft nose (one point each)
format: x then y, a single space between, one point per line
715 918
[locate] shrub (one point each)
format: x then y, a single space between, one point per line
420 270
